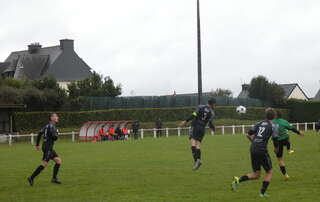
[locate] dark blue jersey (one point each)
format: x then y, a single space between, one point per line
202 116
261 133
318 125
50 135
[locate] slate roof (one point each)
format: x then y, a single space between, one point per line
317 97
288 88
60 61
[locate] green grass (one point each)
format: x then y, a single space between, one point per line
157 170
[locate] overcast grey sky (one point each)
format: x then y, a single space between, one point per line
149 46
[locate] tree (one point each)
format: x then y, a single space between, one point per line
10 95
222 92
261 88
97 85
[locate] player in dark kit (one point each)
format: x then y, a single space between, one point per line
317 126
200 118
50 135
259 135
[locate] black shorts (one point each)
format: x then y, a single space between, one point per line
279 145
259 159
49 154
197 133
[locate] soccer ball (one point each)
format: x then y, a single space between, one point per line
241 110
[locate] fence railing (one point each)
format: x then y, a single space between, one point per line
156 133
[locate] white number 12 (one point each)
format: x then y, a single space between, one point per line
261 130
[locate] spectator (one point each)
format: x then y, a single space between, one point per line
125 132
135 129
102 134
112 132
159 127
119 133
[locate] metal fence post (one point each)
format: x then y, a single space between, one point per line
10 139
142 133
233 130
32 140
243 130
212 132
179 132
154 133
222 130
297 126
314 126
167 132
73 136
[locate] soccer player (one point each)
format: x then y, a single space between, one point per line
259 135
200 118
50 135
282 140
318 126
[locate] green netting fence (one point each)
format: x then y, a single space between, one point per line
98 103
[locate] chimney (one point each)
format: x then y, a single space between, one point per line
245 87
34 48
66 44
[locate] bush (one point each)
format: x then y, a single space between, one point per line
33 98
10 95
76 119
304 111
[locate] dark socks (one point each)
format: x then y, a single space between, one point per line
193 149
283 170
244 178
264 188
55 171
37 171
288 146
198 154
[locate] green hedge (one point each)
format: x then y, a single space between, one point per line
34 120
304 111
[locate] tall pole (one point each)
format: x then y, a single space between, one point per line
199 54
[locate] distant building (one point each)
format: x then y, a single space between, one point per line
60 61
291 91
317 97
245 91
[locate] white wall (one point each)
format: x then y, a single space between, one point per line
297 94
64 84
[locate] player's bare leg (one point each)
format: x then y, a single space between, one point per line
196 152
250 176
283 168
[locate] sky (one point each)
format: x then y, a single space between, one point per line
150 46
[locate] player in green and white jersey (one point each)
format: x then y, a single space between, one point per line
283 140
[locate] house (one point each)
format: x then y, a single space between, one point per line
291 91
60 61
317 97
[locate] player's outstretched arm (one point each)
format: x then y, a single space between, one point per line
182 123
296 131
250 135
37 147
211 125
193 115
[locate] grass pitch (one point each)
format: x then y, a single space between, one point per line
157 170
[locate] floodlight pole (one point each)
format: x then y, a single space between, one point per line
199 54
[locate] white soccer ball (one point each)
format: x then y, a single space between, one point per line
241 110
